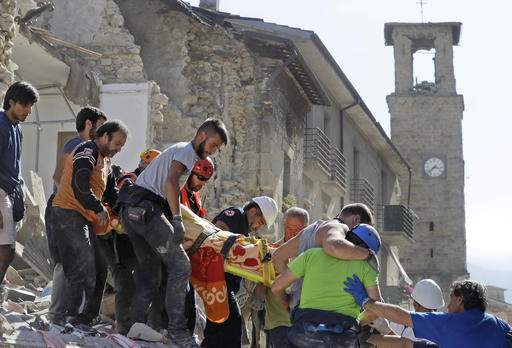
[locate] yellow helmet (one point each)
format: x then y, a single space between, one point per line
147 156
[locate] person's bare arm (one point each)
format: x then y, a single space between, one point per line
222 225
331 237
260 291
284 280
390 341
391 312
374 294
285 252
59 168
172 186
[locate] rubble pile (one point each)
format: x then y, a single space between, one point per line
25 296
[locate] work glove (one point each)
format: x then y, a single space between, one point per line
373 261
355 287
381 325
179 229
102 217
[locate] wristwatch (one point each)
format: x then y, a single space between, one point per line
366 301
177 217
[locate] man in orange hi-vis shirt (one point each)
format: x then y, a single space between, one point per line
86 180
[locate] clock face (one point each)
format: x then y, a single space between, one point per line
434 167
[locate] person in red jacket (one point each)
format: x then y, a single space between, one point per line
189 195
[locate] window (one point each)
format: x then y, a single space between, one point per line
355 168
63 138
383 187
431 226
424 67
341 131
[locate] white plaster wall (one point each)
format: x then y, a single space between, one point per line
130 103
51 107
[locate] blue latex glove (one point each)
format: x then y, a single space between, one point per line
355 287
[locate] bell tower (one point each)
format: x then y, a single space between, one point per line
426 126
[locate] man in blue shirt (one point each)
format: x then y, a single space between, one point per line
18 102
466 325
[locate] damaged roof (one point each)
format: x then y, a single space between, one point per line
314 53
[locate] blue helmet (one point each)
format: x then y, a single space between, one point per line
369 236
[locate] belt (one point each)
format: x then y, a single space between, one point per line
199 241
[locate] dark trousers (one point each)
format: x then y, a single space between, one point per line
118 253
157 316
227 334
300 336
278 337
153 244
76 247
57 308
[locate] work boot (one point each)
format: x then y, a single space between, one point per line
182 340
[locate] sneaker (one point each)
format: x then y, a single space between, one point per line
86 330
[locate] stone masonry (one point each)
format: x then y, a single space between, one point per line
7 32
207 72
427 123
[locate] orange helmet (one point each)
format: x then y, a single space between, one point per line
147 156
204 168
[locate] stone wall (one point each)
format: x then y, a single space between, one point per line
7 32
99 26
206 72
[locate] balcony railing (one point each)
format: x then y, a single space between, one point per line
319 152
362 191
396 219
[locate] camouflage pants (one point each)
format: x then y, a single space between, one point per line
153 243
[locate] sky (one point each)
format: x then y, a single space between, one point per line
353 32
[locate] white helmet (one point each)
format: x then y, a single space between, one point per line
428 294
268 207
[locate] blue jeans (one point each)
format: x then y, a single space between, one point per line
278 337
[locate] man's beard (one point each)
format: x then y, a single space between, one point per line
105 151
189 186
200 150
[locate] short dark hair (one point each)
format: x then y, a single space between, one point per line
472 293
365 214
252 204
88 113
111 127
214 125
21 92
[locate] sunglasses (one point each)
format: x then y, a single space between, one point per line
200 177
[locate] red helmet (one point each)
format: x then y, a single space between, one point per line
204 168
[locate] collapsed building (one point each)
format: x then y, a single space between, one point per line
300 131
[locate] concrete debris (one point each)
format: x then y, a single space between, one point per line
24 304
13 277
143 332
20 295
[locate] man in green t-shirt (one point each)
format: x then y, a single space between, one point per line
327 314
